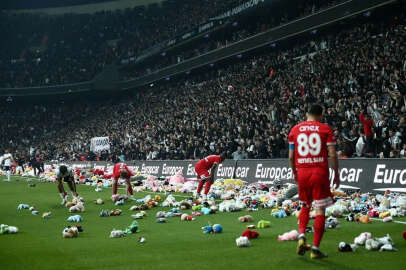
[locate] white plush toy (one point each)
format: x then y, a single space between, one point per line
70 232
372 244
242 241
362 238
116 233
4 229
75 218
77 208
169 201
388 247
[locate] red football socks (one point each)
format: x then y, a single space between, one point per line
207 187
130 189
319 224
114 187
303 219
200 187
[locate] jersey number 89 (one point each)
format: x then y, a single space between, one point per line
308 144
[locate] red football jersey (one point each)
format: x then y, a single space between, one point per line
309 140
207 162
121 167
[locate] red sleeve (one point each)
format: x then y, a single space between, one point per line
330 137
116 172
217 160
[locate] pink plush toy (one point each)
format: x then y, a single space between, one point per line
373 213
177 179
289 236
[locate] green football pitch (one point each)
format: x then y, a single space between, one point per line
173 245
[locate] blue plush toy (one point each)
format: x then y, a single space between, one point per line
216 228
23 206
75 218
212 195
120 202
175 210
161 220
280 214
207 229
169 214
206 210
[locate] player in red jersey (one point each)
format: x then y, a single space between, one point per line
202 168
121 170
310 144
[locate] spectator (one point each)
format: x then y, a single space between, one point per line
239 154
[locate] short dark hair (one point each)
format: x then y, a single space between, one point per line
316 110
223 155
63 169
123 174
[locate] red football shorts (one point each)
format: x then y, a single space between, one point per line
202 173
314 187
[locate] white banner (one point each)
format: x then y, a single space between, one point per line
98 144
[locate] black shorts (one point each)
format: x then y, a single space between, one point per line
369 145
67 178
6 168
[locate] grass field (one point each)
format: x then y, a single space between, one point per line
172 245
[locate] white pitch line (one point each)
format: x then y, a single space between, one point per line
396 221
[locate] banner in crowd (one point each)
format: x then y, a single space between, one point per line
98 144
368 175
250 4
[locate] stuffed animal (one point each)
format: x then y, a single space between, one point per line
160 214
387 219
161 220
384 214
289 236
196 213
344 247
22 206
98 201
373 213
280 214
69 204
75 218
362 238
46 215
206 211
115 212
250 234
5 229
364 219
372 244
119 202
404 235
388 247
352 217
216 228
263 224
242 241
77 208
169 201
186 217
141 240
70 232
133 228
331 223
116 233
157 198
246 218
104 213
195 207
251 226
135 208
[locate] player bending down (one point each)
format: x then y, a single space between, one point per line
202 168
65 173
121 170
7 158
309 143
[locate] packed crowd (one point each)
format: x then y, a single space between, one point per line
246 109
50 50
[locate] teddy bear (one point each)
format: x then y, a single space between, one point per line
160 214
116 233
75 218
362 238
115 212
289 236
250 234
280 214
344 247
46 215
70 232
5 229
331 223
104 213
69 204
216 228
77 208
99 201
186 217
246 218
242 241
364 219
133 228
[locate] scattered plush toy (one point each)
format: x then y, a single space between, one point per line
115 212
31 185
135 208
196 213
104 213
353 217
384 214
404 235
133 228
160 214
246 218
116 233
98 201
251 226
69 204
161 220
331 223
79 207
250 234
344 247
289 236
362 238
242 241
33 210
22 206
280 214
388 247
75 218
216 228
373 213
264 224
119 202
70 232
157 198
196 207
372 244
46 215
5 229
186 217
141 240
387 219
364 219
206 211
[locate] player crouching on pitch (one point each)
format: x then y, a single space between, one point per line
202 168
310 144
121 170
65 173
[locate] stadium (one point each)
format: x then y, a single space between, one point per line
206 134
